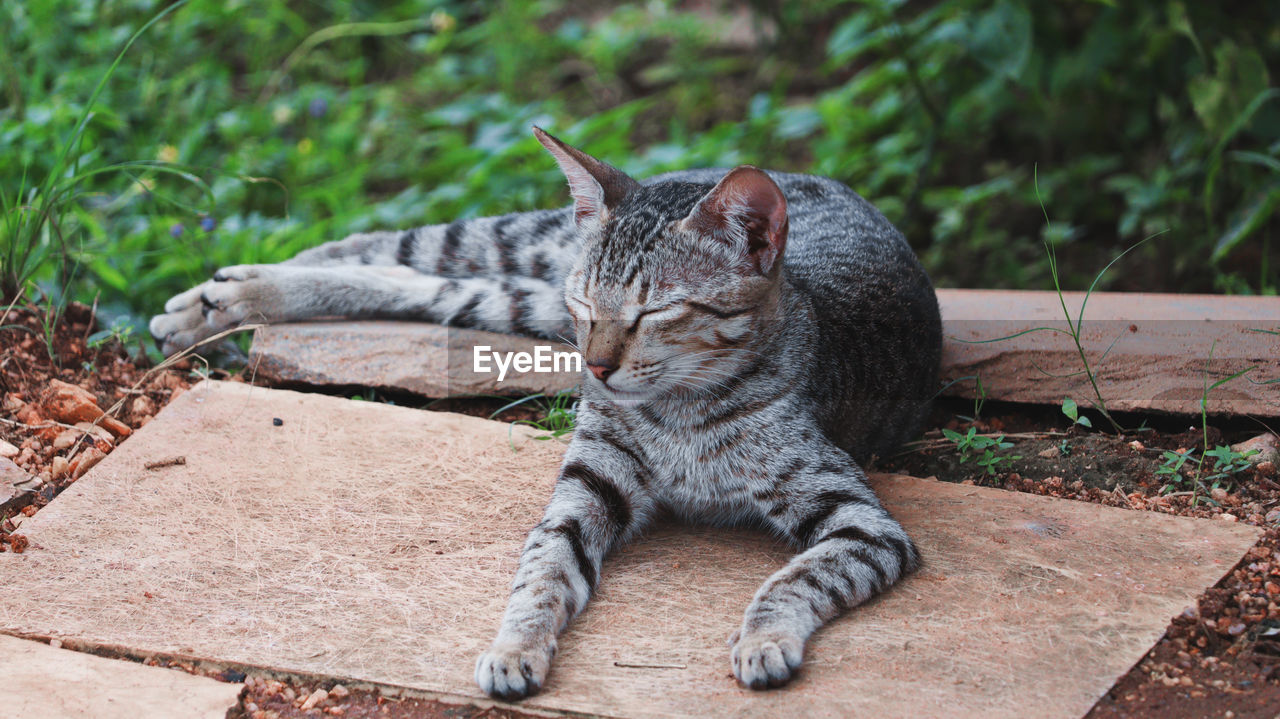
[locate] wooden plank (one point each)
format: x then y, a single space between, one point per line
42 681
377 543
424 359
1148 352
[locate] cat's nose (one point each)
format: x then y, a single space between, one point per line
602 370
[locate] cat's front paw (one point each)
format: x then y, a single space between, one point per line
510 671
235 295
765 658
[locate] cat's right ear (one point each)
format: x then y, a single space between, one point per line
597 187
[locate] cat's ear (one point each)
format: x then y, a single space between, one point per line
747 210
597 187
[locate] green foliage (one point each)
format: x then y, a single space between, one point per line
1142 117
983 448
1184 469
559 414
1072 411
1171 467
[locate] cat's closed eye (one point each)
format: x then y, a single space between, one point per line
722 313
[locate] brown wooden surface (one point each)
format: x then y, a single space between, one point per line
41 682
1148 351
365 541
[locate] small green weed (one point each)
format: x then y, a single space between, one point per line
559 414
119 333
1200 474
1072 411
983 448
1171 467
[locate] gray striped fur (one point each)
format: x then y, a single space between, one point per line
737 389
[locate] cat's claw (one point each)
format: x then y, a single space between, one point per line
235 295
512 672
764 659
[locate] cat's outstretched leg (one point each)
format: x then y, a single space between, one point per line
539 245
244 294
853 551
600 500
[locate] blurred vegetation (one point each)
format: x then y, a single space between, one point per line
245 131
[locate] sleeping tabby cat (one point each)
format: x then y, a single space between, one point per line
751 338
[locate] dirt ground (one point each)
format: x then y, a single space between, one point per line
1220 657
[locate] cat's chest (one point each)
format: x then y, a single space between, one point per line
705 469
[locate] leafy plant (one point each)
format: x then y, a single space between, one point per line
394 114
983 448
1171 467
1072 411
1227 462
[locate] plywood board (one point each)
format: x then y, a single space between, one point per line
373 542
43 682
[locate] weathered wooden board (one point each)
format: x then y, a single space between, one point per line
41 682
1148 352
372 542
421 358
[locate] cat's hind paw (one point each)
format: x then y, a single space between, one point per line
764 659
511 672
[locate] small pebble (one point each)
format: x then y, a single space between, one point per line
313 699
339 691
55 643
277 421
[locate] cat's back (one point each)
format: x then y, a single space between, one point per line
872 349
835 235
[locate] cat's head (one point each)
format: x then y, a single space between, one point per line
675 280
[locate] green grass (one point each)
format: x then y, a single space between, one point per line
558 414
245 132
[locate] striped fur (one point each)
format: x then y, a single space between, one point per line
751 337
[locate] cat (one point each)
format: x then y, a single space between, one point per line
751 339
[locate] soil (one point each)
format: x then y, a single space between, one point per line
1220 657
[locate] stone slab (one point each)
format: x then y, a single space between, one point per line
377 543
1150 352
41 682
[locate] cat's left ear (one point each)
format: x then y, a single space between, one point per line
597 187
747 210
